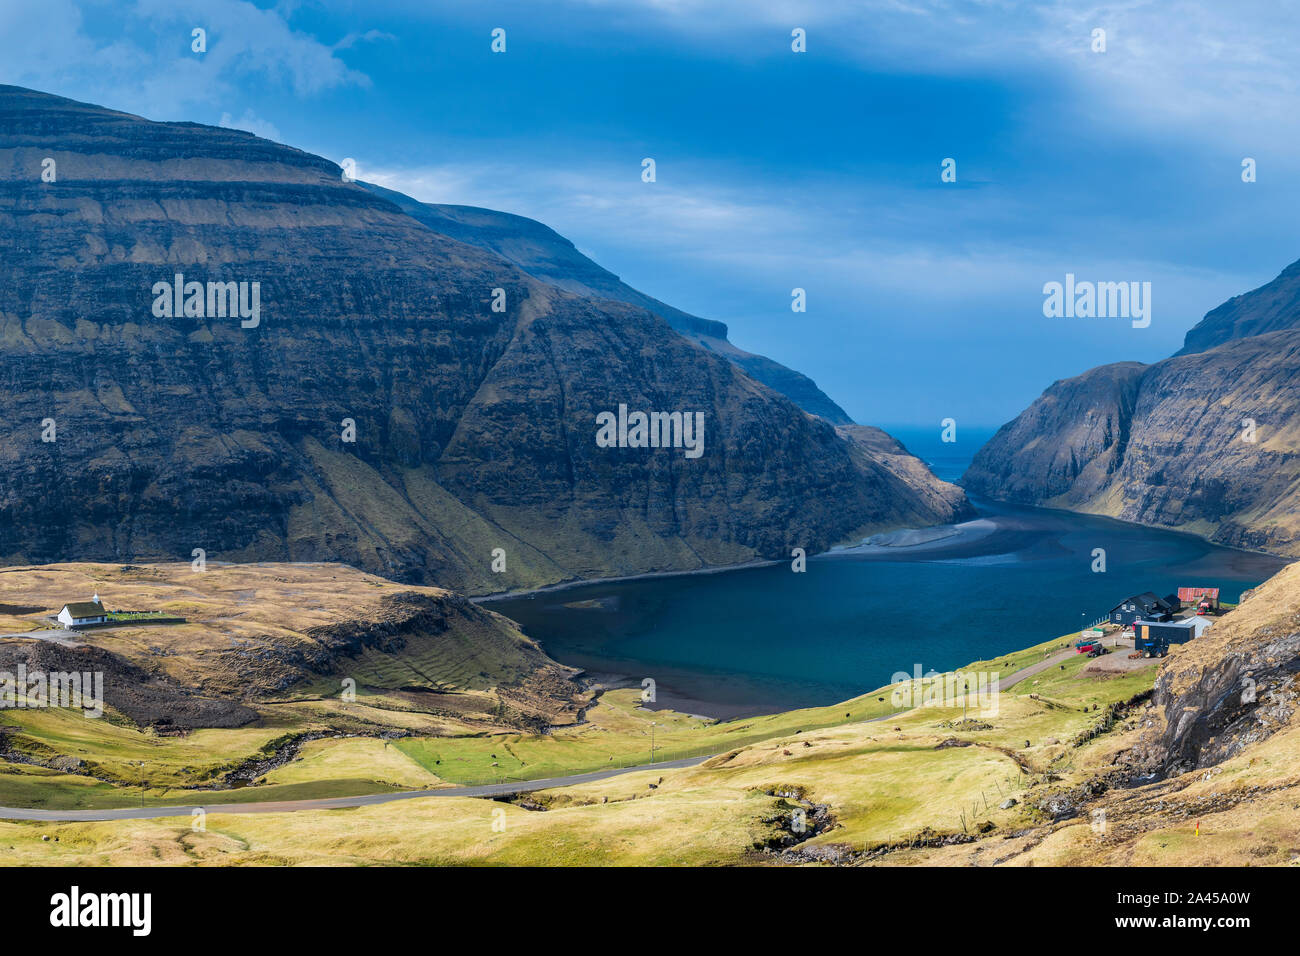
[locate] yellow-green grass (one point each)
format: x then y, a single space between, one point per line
13 624
179 770
115 749
724 826
883 785
1247 808
367 757
617 733
37 787
43 789
885 781
1088 689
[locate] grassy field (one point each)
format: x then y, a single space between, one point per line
885 780
617 733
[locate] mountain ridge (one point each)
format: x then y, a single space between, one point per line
1202 441
545 254
381 414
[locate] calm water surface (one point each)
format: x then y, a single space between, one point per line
767 639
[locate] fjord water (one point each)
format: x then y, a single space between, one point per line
766 639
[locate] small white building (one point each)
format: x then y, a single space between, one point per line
83 612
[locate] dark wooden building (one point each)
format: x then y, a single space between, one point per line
1146 606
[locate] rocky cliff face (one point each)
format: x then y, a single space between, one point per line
902 476
1070 442
1234 686
378 411
545 254
1204 442
1269 308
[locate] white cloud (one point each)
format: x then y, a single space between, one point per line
860 251
1201 68
149 65
250 123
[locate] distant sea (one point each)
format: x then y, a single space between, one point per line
766 639
948 460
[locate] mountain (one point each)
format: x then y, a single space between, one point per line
1270 308
904 476
1204 442
544 254
368 405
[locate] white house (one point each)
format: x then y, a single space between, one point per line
83 612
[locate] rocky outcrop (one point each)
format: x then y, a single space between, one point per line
380 412
1234 686
263 632
902 476
148 699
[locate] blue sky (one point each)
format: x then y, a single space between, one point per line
777 170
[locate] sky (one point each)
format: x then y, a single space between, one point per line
776 169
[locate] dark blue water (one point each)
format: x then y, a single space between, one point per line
948 460
767 639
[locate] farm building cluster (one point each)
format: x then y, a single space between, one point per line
1156 623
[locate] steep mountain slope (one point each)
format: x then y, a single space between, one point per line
1271 307
130 434
1205 442
545 254
903 476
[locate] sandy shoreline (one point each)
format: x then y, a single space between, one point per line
898 543
913 540
622 578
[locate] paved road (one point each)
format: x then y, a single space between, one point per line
335 803
53 636
1024 672
487 790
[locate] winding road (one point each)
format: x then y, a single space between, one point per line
337 803
486 790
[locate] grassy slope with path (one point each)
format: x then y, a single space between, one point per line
617 734
882 783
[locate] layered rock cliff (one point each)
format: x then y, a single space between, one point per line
545 254
1205 442
379 410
